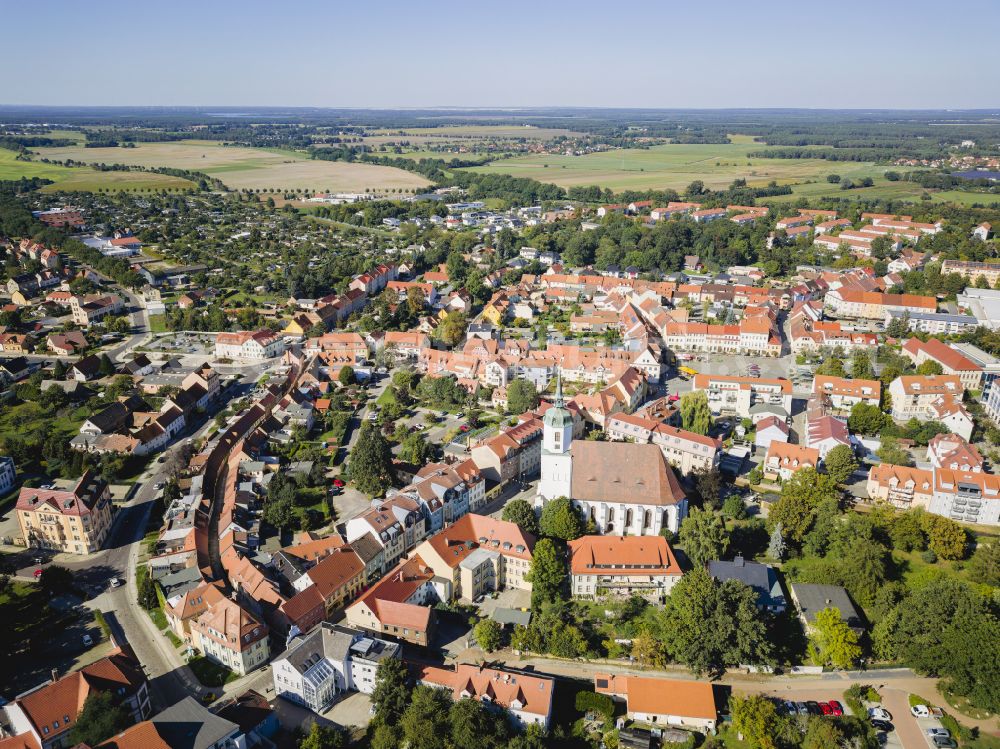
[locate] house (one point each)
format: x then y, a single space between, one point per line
229 634
74 521
931 398
621 567
783 460
952 361
685 451
761 578
14 370
951 451
825 432
67 344
513 454
479 554
811 599
405 345
85 369
184 725
901 486
94 309
330 661
662 702
843 394
400 604
527 698
43 717
247 345
983 231
324 589
770 429
397 524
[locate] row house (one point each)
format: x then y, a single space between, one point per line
686 451
445 492
372 282
400 605
397 524
323 589
873 305
513 454
751 337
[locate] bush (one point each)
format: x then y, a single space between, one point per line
928 556
598 703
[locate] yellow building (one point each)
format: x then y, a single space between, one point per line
75 521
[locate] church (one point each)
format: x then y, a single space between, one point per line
625 489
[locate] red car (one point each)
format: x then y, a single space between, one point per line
464 428
339 483
825 708
38 572
837 708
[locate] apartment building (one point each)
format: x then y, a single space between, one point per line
75 521
874 305
973 270
622 566
970 496
479 554
512 454
933 322
686 451
784 460
248 345
952 361
901 486
736 395
327 663
400 605
753 336
93 309
445 492
229 634
843 394
397 524
8 474
934 398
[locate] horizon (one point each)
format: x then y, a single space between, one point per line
529 56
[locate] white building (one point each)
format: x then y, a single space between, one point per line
255 345
7 474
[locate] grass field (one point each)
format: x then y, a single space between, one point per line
676 166
252 168
85 178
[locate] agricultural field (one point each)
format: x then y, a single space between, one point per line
85 178
676 166
249 168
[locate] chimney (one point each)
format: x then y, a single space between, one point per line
55 675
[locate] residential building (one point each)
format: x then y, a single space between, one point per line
330 661
90 310
397 524
248 345
874 305
67 344
761 578
784 459
229 634
44 717
8 474
903 487
527 698
770 429
685 451
967 496
954 452
934 322
952 361
735 395
513 454
663 702
75 521
973 270
479 554
621 567
400 604
843 394
931 398
811 599
187 724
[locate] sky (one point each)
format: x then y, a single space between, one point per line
439 53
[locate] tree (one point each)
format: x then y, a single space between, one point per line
56 580
734 508
474 726
703 536
346 376
756 721
945 537
521 512
822 734
696 188
415 449
709 485
452 329
147 592
371 461
861 365
425 723
890 452
907 531
929 367
415 300
522 396
696 416
776 548
280 513
392 691
489 635
58 370
561 520
647 650
322 737
105 367
547 573
898 326
984 567
796 508
832 641
840 463
101 718
866 418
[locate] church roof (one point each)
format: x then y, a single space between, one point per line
623 472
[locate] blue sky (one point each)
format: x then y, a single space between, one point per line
391 53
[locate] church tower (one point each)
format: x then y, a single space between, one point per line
557 460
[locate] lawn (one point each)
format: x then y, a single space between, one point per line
210 673
85 178
158 323
253 168
676 166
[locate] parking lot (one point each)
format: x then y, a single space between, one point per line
801 697
195 344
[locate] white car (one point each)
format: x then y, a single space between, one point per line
939 731
115 582
920 711
88 641
879 713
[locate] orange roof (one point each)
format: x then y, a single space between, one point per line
623 555
456 542
688 699
892 300
943 353
792 456
504 688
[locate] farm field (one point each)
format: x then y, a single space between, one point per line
85 178
882 190
249 168
675 166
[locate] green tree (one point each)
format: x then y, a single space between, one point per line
776 548
907 531
105 367
734 508
822 733
474 726
756 719
866 418
371 461
521 397
280 513
392 691
898 327
696 416
703 535
322 737
945 537
840 463
58 370
561 520
832 642
102 717
346 376
415 449
425 723
984 567
452 329
521 512
547 573
709 485
929 367
489 635
891 452
56 580
800 496
147 592
861 365
647 650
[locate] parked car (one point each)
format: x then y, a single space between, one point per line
825 708
883 725
38 572
813 707
920 711
879 713
801 709
115 582
943 742
464 428
836 707
939 731
88 641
